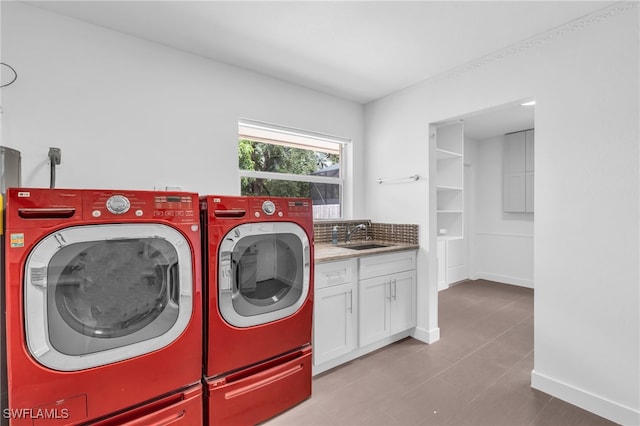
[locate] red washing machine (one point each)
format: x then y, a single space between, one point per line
103 307
258 316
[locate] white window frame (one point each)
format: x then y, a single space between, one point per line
279 135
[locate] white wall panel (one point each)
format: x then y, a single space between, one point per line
505 258
503 244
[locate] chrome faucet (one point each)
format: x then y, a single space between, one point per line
352 230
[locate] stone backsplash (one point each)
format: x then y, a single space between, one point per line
392 232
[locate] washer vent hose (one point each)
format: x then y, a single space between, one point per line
55 156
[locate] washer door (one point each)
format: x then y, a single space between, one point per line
263 272
98 294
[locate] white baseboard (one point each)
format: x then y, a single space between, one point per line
505 279
593 403
426 336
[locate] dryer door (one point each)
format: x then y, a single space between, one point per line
264 272
99 294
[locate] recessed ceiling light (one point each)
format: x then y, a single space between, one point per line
530 103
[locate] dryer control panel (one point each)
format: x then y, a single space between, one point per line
280 207
175 207
300 208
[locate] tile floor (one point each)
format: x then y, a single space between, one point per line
478 373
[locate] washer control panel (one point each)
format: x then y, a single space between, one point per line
118 204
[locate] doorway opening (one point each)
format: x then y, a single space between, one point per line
476 231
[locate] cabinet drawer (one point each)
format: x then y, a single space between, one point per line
334 273
384 264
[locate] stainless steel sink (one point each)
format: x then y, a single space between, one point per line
365 246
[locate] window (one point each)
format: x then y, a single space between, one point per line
280 162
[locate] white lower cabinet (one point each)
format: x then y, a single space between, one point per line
335 310
375 315
387 306
362 304
387 299
452 261
403 302
442 264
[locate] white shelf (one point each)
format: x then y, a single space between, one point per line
452 222
450 172
443 154
449 150
448 238
450 137
449 200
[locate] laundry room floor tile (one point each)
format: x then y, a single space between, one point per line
477 374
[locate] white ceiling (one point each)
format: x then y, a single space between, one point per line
497 121
357 50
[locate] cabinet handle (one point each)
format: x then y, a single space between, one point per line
385 285
350 307
395 290
335 276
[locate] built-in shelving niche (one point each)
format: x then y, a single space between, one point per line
449 179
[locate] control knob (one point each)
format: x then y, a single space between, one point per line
268 207
118 204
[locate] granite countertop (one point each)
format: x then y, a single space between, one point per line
325 252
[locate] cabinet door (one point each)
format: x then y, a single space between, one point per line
333 328
457 260
514 152
403 301
529 151
514 192
442 265
374 318
529 177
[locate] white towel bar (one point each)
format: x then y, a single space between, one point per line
410 178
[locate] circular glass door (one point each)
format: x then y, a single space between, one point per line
264 272
102 293
109 289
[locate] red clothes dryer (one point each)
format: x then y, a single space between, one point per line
103 307
259 291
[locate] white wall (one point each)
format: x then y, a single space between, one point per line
503 242
128 113
132 114
586 237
